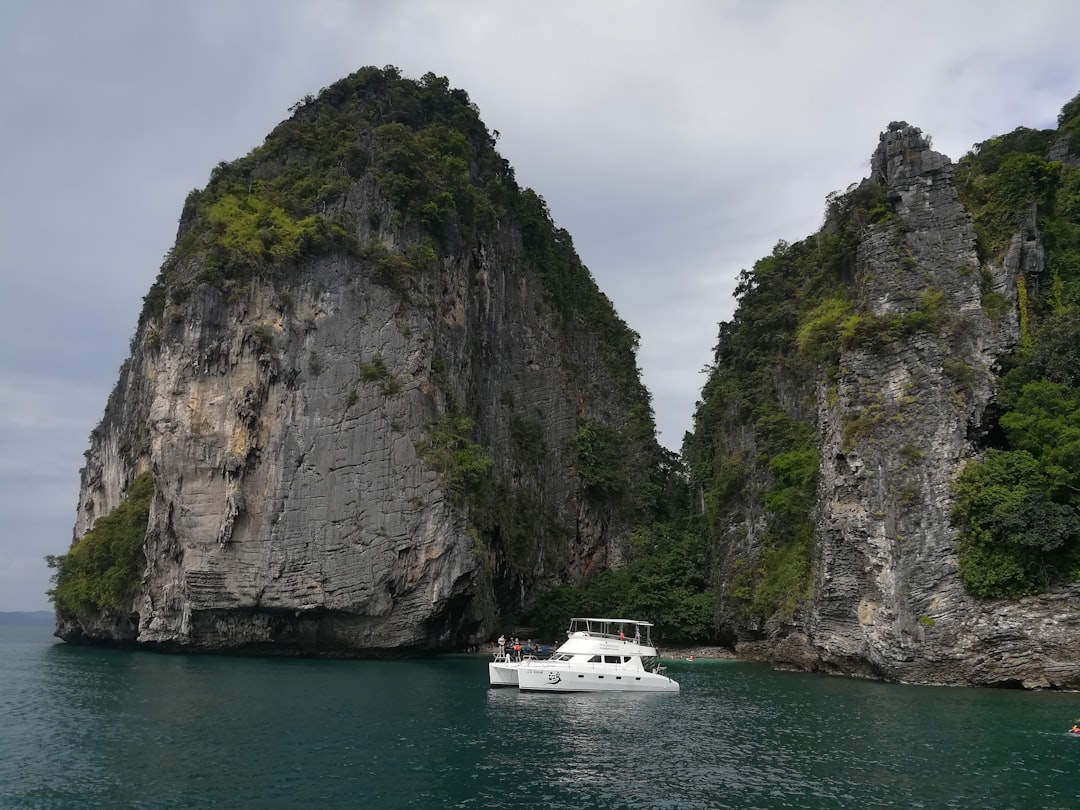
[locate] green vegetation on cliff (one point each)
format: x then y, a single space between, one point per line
464 467
664 580
103 569
420 142
752 456
400 178
422 145
419 146
1018 509
753 453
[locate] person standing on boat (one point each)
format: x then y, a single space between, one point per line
502 646
517 650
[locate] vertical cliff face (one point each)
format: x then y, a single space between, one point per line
888 380
896 428
894 435
362 403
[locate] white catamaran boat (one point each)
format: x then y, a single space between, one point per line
600 655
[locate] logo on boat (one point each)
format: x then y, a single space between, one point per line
553 677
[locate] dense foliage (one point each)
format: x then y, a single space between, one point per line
664 581
1018 509
421 142
464 467
103 569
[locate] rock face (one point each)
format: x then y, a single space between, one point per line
896 424
292 418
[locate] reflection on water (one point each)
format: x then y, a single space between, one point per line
91 728
740 735
589 741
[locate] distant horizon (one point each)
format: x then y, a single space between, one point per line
27 618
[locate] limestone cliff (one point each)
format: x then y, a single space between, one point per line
831 487
887 596
367 384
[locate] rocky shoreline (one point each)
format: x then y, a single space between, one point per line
677 653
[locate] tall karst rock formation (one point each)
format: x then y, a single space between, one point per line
858 379
380 400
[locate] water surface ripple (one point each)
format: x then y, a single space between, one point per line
96 728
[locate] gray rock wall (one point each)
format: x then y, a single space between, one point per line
895 431
293 511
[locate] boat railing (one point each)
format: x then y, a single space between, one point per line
612 636
615 629
510 657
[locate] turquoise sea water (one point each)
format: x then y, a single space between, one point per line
84 728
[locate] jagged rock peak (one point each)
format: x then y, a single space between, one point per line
903 153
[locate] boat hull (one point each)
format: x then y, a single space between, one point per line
502 673
540 678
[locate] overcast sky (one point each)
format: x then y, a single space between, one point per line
676 141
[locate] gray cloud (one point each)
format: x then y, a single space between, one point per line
677 142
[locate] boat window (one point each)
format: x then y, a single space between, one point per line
612 659
595 659
626 659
